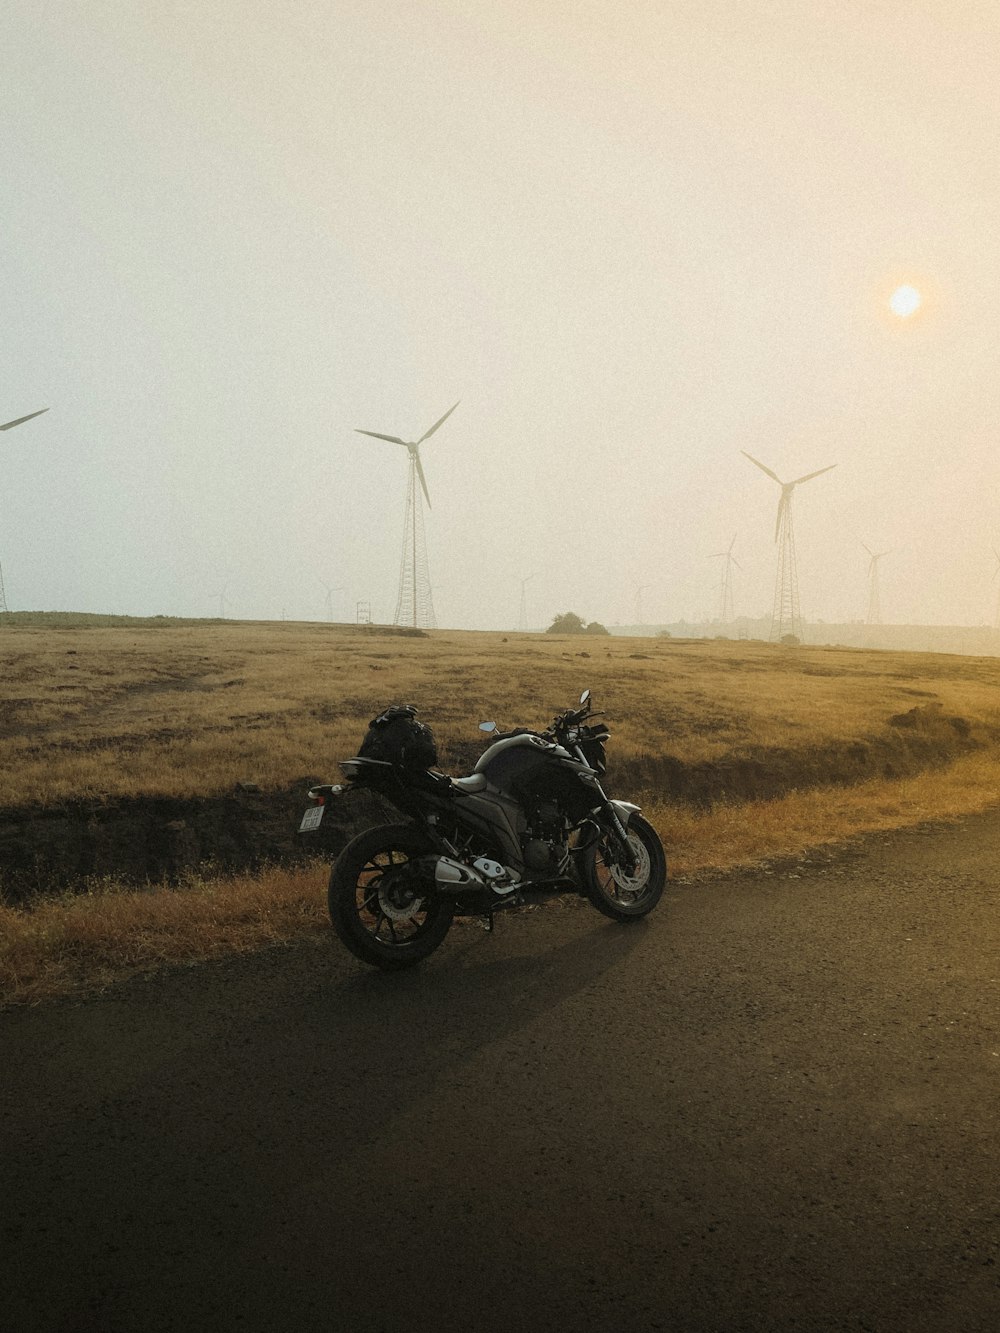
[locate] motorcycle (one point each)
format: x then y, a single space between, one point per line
531 820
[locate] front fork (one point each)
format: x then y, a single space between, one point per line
614 823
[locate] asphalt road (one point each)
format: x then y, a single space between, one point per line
773 1106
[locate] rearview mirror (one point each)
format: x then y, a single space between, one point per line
585 697
487 726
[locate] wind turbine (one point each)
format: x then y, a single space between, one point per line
874 616
522 618
640 588
329 598
996 616
728 615
222 600
8 425
786 618
414 605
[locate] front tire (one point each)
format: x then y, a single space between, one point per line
619 896
380 905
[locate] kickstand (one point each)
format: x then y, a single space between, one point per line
486 920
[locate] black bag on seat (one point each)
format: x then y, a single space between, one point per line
396 737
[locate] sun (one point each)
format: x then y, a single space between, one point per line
905 301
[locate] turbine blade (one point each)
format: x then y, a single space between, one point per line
772 475
737 564
733 542
7 424
809 475
420 474
429 433
393 439
868 549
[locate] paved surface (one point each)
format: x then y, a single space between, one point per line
772 1106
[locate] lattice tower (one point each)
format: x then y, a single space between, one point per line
786 617
414 605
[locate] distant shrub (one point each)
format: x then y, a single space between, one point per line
570 623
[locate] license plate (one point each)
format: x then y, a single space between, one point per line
312 818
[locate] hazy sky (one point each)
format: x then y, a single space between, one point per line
632 239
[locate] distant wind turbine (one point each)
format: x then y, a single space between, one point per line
874 616
640 588
727 613
9 425
996 616
222 601
522 617
786 617
414 605
329 598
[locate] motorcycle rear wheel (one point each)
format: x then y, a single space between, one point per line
619 896
380 907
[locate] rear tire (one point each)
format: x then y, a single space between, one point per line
382 908
619 896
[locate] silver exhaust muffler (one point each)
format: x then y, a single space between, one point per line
484 873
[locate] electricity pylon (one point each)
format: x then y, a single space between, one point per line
727 615
874 616
786 617
414 605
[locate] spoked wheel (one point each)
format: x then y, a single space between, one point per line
612 891
381 905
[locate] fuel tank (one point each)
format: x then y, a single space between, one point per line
517 762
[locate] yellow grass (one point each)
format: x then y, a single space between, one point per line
191 711
86 942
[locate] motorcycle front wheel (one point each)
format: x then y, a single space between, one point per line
381 905
618 895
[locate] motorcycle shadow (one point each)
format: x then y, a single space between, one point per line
414 1027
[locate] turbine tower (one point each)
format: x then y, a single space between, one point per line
786 617
727 613
414 605
8 425
874 616
996 614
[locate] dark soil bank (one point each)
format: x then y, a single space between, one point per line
152 839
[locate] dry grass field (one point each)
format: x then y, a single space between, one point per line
837 743
192 711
